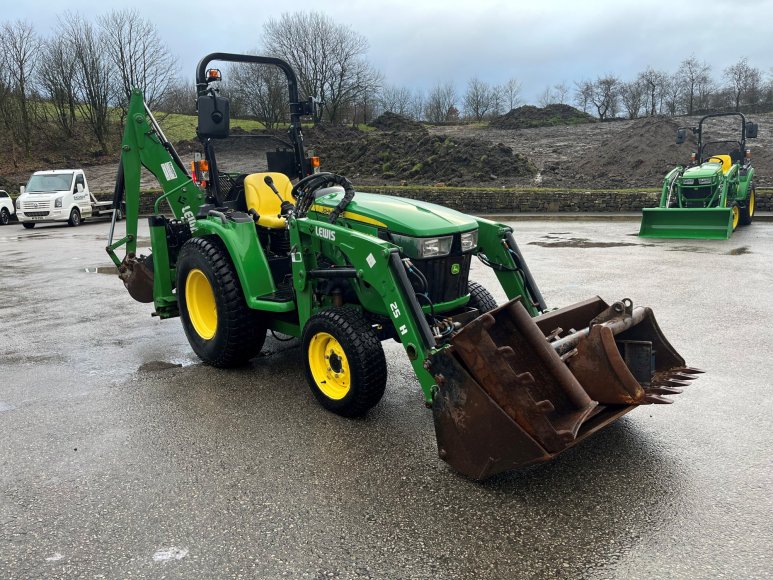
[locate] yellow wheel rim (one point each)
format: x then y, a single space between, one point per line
200 301
736 216
329 366
751 204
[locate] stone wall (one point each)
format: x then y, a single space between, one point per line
518 201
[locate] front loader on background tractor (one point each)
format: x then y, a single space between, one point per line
237 255
711 196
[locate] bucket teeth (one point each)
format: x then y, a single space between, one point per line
657 400
661 390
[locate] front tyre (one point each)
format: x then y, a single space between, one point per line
28 225
221 329
75 218
5 217
480 298
747 212
344 361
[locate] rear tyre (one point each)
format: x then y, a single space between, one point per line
747 213
28 226
480 298
221 329
75 218
5 217
344 362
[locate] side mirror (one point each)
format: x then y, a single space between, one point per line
79 187
680 136
214 117
22 188
751 130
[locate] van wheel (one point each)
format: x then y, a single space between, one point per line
222 330
75 218
28 226
5 217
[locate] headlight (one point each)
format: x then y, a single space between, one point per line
688 181
424 247
705 181
18 203
58 202
469 241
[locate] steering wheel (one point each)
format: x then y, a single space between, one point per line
303 191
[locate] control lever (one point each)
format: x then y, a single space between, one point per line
286 206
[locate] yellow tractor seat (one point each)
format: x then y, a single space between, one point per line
727 162
259 197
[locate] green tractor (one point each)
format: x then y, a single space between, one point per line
298 251
710 197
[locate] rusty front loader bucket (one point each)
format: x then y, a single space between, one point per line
711 223
515 390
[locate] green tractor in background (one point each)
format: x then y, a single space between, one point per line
710 197
298 251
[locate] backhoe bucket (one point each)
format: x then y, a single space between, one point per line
711 223
515 390
136 273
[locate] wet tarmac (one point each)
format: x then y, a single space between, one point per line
122 456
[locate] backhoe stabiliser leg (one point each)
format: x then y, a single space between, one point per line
515 390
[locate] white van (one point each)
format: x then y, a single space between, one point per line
58 195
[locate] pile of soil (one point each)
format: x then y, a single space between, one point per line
639 155
529 116
393 122
421 158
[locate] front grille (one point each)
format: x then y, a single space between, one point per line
444 285
36 213
33 205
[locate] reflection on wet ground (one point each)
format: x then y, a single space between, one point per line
554 241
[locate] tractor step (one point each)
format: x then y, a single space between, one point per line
515 390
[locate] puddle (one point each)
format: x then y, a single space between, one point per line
158 365
581 243
102 270
6 407
739 251
692 249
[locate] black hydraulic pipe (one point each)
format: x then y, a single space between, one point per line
529 282
398 268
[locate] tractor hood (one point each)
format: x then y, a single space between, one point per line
702 171
398 214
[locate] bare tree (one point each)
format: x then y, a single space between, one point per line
55 80
583 94
654 82
692 75
547 97
93 75
140 58
19 50
672 93
497 101
605 96
440 104
476 101
179 98
327 57
632 96
511 92
262 91
395 99
744 83
561 93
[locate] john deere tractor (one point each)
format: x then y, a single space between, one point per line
712 195
299 251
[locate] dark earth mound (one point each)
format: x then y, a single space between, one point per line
421 158
529 116
393 122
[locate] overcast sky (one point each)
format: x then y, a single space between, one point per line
423 42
